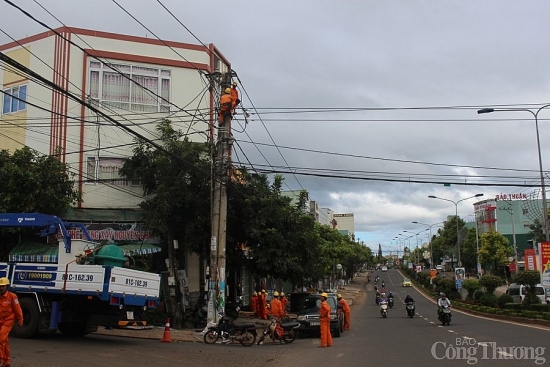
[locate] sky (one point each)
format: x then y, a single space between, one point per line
380 96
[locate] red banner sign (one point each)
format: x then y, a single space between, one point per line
545 256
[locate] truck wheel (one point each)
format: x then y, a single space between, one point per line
31 318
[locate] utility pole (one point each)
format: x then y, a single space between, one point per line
220 176
510 210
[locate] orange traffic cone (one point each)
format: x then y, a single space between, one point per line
166 337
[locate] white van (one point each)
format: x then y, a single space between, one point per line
519 291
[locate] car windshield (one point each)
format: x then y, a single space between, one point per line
406 280
315 301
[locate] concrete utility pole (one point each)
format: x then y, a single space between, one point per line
220 175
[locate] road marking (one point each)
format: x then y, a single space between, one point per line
340 355
483 344
451 331
506 355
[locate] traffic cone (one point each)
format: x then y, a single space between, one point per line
166 337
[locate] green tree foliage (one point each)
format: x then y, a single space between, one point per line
490 282
32 182
529 278
494 249
176 185
471 286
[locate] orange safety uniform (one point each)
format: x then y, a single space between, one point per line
347 313
254 304
10 311
262 310
277 308
235 97
227 104
324 317
284 301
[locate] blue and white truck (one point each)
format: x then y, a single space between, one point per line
87 287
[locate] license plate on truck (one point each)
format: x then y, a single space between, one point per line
315 323
130 315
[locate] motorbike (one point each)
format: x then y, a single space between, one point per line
445 315
409 306
230 332
377 299
390 302
232 308
284 331
384 308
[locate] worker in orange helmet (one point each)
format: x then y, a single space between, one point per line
235 95
254 303
10 311
227 104
262 305
284 301
276 306
324 317
347 312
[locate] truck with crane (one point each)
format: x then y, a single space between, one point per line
88 285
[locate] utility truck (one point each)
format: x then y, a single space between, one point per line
87 287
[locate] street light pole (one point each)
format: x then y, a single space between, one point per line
430 240
541 172
456 218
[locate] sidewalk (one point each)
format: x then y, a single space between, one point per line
349 292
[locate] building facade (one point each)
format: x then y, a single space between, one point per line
129 84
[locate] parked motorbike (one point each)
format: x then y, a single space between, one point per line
390 302
445 315
384 308
409 306
232 308
284 331
230 332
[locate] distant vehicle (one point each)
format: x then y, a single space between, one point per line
384 268
407 282
439 267
519 291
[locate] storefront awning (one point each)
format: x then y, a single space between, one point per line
29 251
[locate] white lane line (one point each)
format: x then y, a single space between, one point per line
483 344
506 355
450 331
340 355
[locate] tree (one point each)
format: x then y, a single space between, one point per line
494 249
529 278
32 182
176 186
490 283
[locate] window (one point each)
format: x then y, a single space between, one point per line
15 99
134 88
525 211
106 170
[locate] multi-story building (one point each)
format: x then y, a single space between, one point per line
133 81
345 223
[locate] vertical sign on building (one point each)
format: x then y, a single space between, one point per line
545 265
530 259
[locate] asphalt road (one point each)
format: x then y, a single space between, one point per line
395 341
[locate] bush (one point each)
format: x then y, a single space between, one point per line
471 286
513 306
477 295
488 299
490 282
539 307
503 299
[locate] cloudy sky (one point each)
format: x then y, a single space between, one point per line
380 96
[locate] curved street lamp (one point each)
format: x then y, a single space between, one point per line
542 185
430 242
456 217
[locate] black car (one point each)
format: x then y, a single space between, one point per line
306 307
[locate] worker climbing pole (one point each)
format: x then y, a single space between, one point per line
217 285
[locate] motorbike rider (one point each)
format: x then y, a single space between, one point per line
383 284
442 301
409 299
390 298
